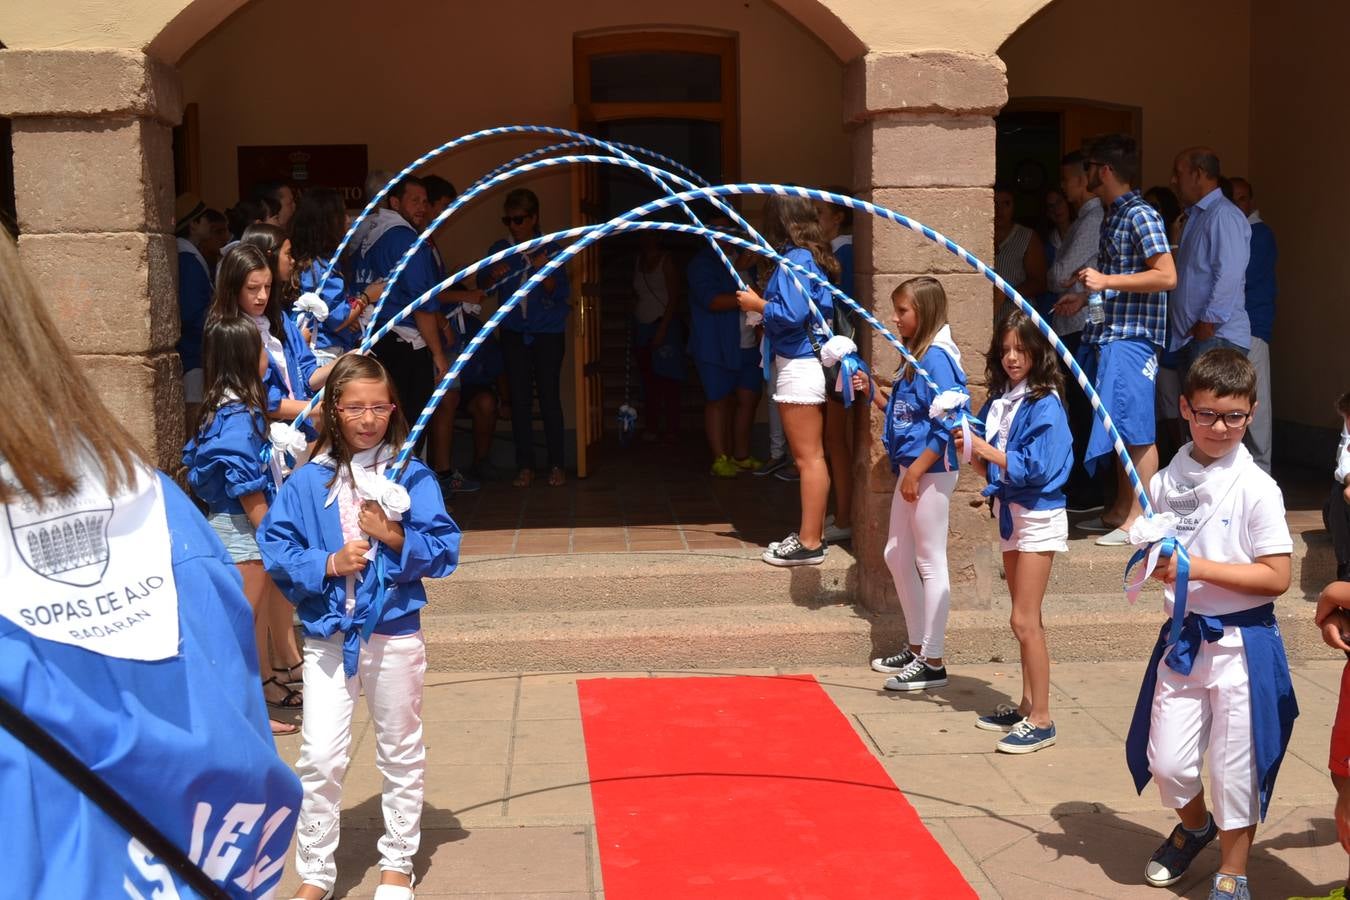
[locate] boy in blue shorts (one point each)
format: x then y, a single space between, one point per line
1217 691
1135 264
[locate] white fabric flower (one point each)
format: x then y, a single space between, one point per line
285 438
947 402
392 497
1151 529
835 349
473 309
311 303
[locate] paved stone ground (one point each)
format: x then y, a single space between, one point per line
508 806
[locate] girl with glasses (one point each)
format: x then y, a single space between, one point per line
318 541
533 338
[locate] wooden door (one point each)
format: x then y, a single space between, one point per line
585 277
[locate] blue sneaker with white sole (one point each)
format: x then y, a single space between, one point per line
1003 718
1027 738
1169 862
1229 887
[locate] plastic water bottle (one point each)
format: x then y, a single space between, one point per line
1096 309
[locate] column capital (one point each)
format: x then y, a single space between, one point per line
88 83
928 81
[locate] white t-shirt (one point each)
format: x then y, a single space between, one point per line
1230 512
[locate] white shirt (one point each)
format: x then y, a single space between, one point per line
1228 512
1343 457
274 350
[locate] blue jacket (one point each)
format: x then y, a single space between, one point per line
1040 456
224 461
300 367
194 298
844 254
786 314
185 740
909 431
715 336
546 312
299 533
378 260
339 308
1260 282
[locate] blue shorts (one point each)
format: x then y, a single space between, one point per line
238 535
1124 373
719 381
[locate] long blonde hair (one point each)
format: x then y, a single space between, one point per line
53 416
930 306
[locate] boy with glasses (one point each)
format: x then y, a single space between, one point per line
1222 690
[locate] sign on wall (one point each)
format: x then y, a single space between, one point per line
340 166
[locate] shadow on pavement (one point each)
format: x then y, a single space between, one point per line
358 854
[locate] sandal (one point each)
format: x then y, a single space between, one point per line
523 478
291 679
556 477
282 729
293 699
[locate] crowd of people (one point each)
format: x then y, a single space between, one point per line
338 544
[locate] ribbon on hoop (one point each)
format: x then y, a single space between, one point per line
283 440
952 409
311 304
1156 538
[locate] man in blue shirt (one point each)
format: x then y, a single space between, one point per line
1261 314
1134 264
1208 308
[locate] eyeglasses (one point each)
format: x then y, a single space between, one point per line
379 411
515 220
1207 418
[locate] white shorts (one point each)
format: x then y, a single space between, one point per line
800 381
324 357
194 382
1036 530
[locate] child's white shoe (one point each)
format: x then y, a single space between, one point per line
395 892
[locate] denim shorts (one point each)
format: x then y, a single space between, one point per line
237 533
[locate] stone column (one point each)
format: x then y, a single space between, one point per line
93 174
923 145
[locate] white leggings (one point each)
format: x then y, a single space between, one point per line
391 671
916 554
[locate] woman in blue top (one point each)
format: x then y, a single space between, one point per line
316 231
794 337
916 547
1027 459
533 338
130 645
226 472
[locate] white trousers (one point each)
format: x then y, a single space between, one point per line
391 672
1207 715
1260 428
916 554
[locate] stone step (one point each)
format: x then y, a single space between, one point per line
1091 627
1087 568
613 581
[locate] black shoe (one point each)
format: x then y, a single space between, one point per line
893 665
772 466
1083 505
790 552
917 676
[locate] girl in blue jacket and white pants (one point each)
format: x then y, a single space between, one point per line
1027 458
333 516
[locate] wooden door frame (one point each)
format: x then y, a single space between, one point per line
1064 104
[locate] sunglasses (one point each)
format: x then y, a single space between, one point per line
515 220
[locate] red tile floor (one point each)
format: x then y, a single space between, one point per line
641 498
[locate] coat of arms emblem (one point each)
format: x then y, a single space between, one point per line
64 539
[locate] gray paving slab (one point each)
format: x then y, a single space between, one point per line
509 811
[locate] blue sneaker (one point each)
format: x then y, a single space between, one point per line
1170 861
1027 738
1003 718
1229 887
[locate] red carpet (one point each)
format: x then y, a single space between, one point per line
747 788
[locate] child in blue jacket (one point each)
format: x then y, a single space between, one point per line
1027 458
333 517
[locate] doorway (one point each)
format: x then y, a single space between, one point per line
675 94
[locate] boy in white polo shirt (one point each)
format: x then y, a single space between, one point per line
1218 685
